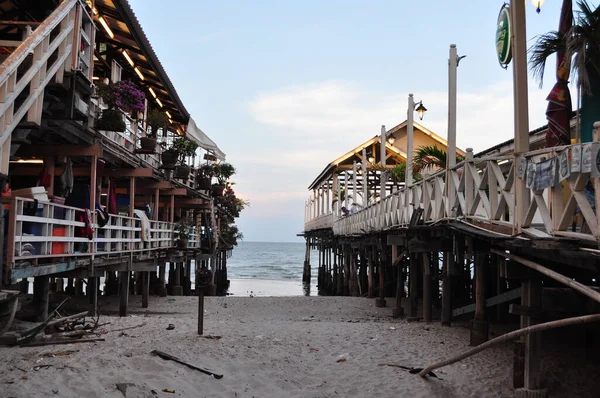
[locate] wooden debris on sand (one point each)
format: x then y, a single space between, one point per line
170 357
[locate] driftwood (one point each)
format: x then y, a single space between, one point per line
12 316
511 336
121 329
70 333
61 341
68 318
31 333
170 357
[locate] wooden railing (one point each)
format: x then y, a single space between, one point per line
481 190
43 56
42 232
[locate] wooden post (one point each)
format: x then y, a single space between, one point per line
382 261
427 299
50 169
145 288
200 309
94 284
41 291
162 289
124 296
370 273
413 285
479 328
447 289
306 270
177 289
398 311
531 297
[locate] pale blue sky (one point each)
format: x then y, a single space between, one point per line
285 87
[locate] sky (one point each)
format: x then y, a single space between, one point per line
285 87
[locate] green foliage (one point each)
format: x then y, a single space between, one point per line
183 230
223 172
184 148
581 45
156 119
111 120
230 235
398 173
430 156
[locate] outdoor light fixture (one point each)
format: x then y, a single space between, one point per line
159 103
371 159
152 92
106 28
538 4
139 73
127 57
391 139
168 114
421 110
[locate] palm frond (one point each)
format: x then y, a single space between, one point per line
545 46
428 156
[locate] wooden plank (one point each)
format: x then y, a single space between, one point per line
63 150
137 172
437 245
399 240
40 270
492 301
175 192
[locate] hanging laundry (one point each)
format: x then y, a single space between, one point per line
66 179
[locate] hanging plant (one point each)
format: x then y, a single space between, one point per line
124 95
111 120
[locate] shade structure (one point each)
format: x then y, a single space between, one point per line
195 134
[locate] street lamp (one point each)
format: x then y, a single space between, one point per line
412 107
538 4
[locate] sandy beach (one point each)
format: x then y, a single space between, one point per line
268 347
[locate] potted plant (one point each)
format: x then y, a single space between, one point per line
168 157
205 174
223 171
155 120
185 148
123 95
183 235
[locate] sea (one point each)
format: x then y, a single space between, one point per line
270 269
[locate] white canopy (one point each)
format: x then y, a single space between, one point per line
195 134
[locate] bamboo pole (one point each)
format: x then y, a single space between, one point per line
594 295
580 320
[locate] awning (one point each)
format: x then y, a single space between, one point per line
195 134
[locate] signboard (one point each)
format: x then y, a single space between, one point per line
544 175
503 42
576 159
586 158
563 165
521 167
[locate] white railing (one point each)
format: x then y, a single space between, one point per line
481 190
43 56
39 232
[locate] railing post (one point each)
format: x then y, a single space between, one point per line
469 182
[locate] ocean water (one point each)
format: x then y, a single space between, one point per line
270 269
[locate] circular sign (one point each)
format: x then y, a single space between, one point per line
503 32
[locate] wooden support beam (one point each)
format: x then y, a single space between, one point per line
479 327
448 262
397 240
492 301
145 288
427 294
139 172
131 195
144 184
35 170
124 299
413 289
62 150
175 192
426 246
531 296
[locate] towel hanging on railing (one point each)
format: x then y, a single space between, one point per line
66 179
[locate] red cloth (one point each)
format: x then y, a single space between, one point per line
112 198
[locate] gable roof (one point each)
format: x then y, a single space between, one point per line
426 131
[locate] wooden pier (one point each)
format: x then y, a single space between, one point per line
450 248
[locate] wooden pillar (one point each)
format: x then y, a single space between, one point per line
531 297
93 183
398 311
124 296
413 285
162 290
50 169
479 328
382 263
172 210
41 292
447 288
347 271
93 285
177 289
354 281
306 270
145 288
427 296
370 272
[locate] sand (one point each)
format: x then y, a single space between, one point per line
270 347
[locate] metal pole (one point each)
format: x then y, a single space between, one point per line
409 134
354 182
382 156
452 66
519 40
364 176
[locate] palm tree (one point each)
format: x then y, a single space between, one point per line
430 156
581 44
